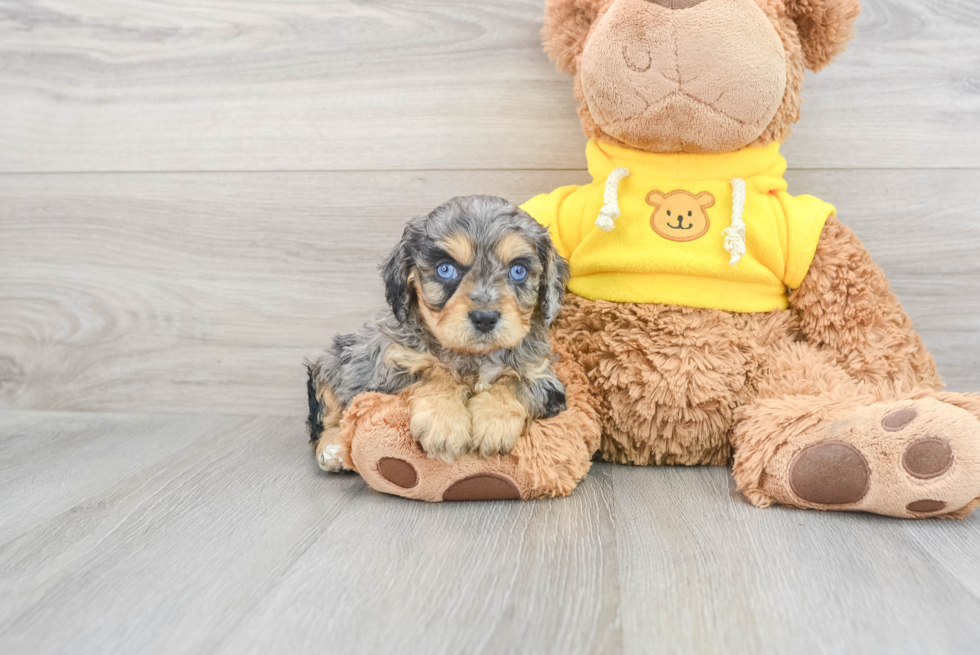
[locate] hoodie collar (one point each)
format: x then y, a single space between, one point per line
746 163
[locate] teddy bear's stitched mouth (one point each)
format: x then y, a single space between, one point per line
652 110
621 127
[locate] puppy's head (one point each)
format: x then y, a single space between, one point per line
478 272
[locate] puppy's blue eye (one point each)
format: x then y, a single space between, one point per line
447 272
518 273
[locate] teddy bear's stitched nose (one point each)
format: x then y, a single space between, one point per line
676 4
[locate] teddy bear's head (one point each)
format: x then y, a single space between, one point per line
693 75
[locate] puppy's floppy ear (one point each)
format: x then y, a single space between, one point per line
395 271
554 278
825 27
566 26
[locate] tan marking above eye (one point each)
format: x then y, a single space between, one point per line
460 247
512 246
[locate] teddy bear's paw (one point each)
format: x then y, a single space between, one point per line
911 459
392 461
415 475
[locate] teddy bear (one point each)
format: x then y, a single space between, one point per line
711 316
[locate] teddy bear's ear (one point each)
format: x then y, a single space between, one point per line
566 25
655 199
706 200
825 27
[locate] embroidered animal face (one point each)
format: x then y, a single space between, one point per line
680 215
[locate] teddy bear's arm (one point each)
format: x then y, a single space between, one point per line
846 305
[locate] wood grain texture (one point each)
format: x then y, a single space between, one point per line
205 292
714 574
238 543
235 543
48 464
140 85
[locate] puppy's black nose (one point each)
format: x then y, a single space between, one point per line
484 321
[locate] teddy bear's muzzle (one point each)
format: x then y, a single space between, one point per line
677 4
709 78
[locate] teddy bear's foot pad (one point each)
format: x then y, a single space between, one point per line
398 472
830 473
916 458
391 461
483 486
415 475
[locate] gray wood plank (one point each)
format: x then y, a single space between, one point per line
703 571
50 462
170 557
239 544
351 85
537 577
236 543
194 292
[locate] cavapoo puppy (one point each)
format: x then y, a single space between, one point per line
472 289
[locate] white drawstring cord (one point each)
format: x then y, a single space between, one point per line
610 208
735 235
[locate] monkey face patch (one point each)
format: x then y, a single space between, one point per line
680 215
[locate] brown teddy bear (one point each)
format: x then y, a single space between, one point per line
711 315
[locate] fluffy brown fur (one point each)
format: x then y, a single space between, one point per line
825 28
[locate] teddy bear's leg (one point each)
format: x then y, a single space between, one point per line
847 309
817 438
548 460
666 379
852 419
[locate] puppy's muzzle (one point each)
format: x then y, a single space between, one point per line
484 321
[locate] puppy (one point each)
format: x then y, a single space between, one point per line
472 289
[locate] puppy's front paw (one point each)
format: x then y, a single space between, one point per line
442 427
498 421
329 458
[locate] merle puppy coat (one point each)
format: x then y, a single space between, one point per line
472 289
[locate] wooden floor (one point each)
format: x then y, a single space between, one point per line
193 198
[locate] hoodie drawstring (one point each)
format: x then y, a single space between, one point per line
610 207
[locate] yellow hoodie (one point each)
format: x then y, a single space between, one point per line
710 231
